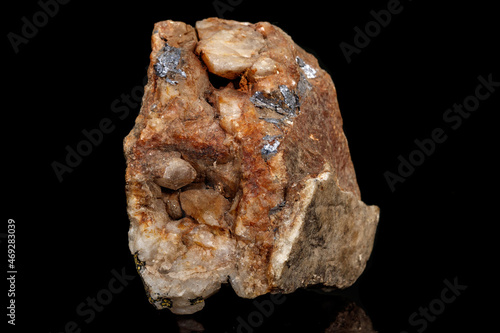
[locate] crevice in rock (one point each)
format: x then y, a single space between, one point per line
218 81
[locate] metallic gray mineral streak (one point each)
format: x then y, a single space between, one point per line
278 207
273 121
291 100
259 100
167 63
308 70
303 86
286 106
271 147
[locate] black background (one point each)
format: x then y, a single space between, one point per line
438 224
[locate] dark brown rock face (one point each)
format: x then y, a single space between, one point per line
238 169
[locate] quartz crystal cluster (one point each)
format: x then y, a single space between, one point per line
238 170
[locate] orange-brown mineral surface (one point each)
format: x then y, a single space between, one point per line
238 170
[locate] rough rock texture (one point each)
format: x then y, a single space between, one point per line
238 169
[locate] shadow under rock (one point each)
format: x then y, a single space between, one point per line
302 311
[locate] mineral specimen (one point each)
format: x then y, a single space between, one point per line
238 169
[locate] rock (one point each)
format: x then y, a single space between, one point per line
228 48
175 173
172 205
246 180
205 206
